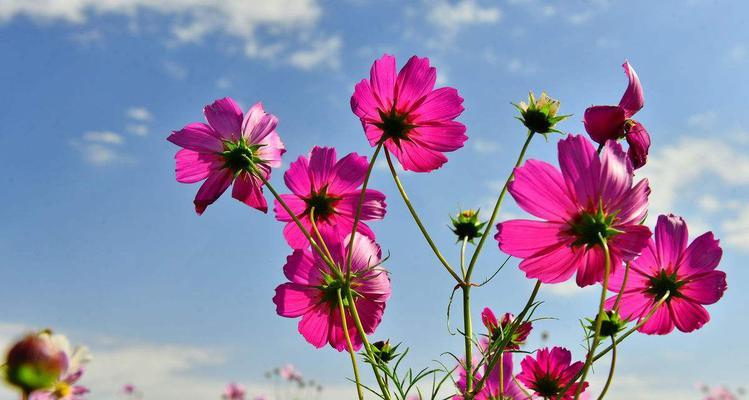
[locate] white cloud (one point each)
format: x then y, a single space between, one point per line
567 289
322 53
138 129
483 146
106 137
704 120
451 17
258 24
738 53
101 148
580 17
175 70
140 114
223 83
518 66
737 230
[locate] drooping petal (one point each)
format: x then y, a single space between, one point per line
212 189
525 238
415 80
660 323
539 189
592 268
630 243
197 137
687 315
348 174
702 255
252 118
293 300
301 268
272 150
706 288
249 190
581 168
193 166
262 128
382 79
322 160
639 145
633 99
315 325
671 237
444 104
604 123
225 117
442 136
416 158
297 177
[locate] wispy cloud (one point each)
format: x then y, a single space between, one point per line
101 148
175 70
140 114
484 146
321 53
451 17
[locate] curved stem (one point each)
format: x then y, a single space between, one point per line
367 346
611 370
350 346
621 290
418 220
463 256
295 219
599 318
357 216
321 242
497 205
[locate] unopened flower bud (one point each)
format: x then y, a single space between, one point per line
384 352
611 324
467 225
34 363
540 116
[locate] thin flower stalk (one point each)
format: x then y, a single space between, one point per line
610 377
357 215
350 346
367 346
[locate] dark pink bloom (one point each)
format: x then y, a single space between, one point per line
404 112
332 187
667 264
234 391
312 292
490 391
232 147
592 195
496 328
605 123
549 372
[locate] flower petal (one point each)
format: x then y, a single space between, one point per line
632 207
197 137
633 305
322 160
300 268
553 265
294 236
525 238
604 123
372 208
296 204
630 243
671 237
225 117
272 150
212 189
443 104
382 79
539 189
633 99
639 144
616 173
249 190
442 136
348 174
414 157
705 288
687 315
293 300
363 102
415 80
702 255
262 128
316 324
660 323
297 177
581 169
192 166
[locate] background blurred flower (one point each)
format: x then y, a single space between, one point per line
234 391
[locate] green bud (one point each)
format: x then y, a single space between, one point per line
611 324
540 116
384 352
467 225
34 363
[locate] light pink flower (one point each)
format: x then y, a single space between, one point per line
332 187
668 264
605 123
591 195
232 147
312 292
128 389
234 391
289 373
404 112
490 390
496 328
721 393
549 372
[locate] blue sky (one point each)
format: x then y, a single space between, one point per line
99 241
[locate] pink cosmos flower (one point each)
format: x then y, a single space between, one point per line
591 196
496 328
721 393
128 389
490 391
405 113
232 147
667 264
312 292
549 372
234 391
289 373
605 123
332 188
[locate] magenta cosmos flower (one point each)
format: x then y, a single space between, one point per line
668 264
591 196
234 391
332 188
232 147
605 123
405 113
549 372
496 328
490 391
312 292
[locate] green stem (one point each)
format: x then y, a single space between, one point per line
501 374
418 220
468 339
611 370
621 290
295 219
321 242
497 205
349 345
463 256
357 216
367 346
599 318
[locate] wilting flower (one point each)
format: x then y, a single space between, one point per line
66 387
497 328
490 390
667 264
605 123
35 362
591 198
332 188
549 372
312 292
540 116
232 147
467 225
405 113
234 391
